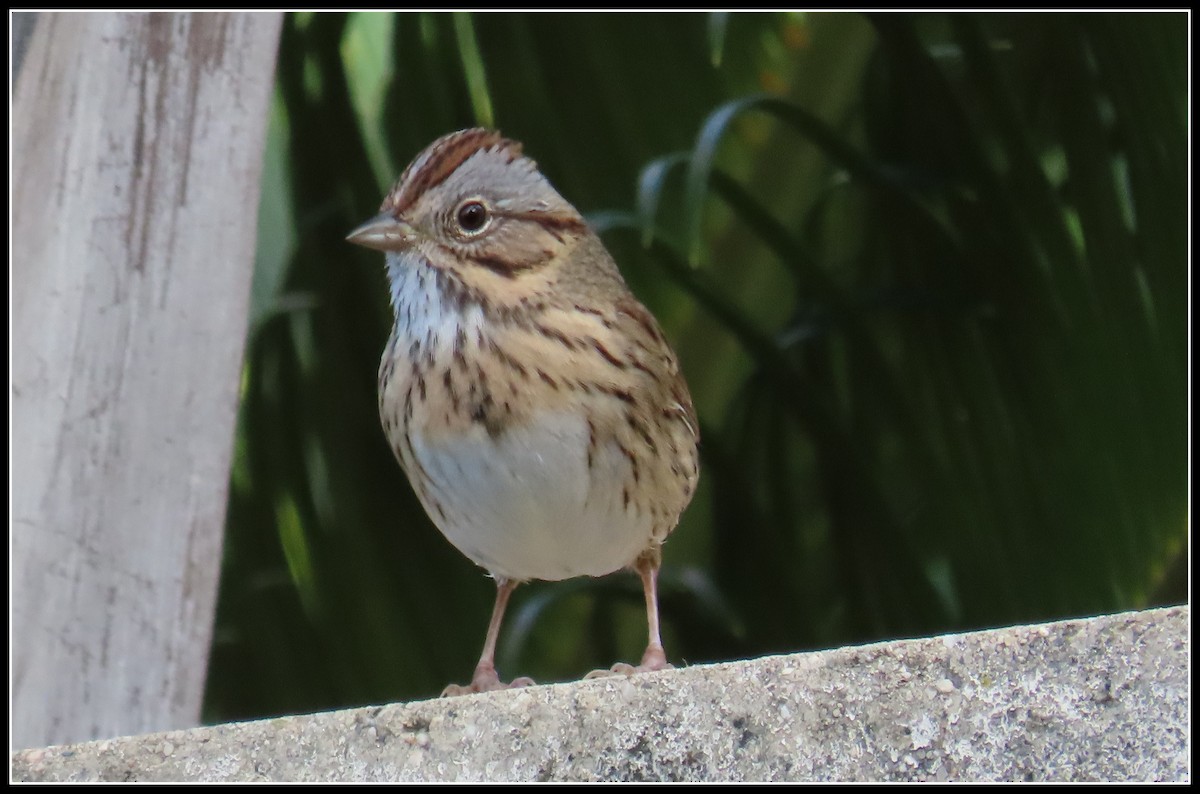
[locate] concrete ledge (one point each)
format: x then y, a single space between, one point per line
1098 699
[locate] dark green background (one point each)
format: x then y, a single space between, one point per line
927 276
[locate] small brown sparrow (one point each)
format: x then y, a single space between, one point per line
533 402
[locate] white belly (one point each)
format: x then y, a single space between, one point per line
526 505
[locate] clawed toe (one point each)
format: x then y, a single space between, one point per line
626 669
654 658
620 668
485 680
454 690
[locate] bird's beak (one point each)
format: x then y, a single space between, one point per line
384 232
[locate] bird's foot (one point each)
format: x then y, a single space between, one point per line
653 659
485 680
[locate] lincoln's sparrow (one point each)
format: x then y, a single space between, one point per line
534 403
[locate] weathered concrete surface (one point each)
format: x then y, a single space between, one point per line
1098 699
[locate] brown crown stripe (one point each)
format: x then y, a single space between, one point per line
439 161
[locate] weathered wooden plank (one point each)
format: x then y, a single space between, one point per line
137 148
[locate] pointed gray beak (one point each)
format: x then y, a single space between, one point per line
384 232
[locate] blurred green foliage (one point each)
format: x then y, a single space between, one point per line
926 275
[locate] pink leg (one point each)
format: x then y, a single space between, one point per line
485 678
655 658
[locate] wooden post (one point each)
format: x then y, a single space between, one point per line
137 148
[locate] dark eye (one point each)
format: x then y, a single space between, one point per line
472 216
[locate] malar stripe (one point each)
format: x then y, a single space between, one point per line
454 293
500 266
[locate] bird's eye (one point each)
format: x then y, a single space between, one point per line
472 216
